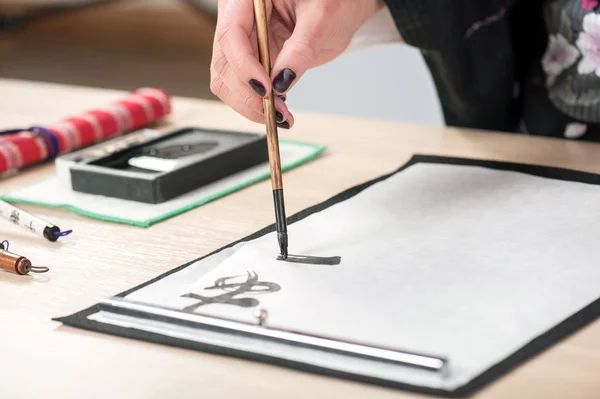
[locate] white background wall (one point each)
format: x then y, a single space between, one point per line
387 82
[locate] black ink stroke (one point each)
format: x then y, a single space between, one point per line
30 227
312 260
232 292
14 217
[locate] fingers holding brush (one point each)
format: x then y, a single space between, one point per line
235 66
244 100
242 60
285 119
237 76
302 34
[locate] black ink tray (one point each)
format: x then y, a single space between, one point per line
173 164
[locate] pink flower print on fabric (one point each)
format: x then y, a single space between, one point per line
560 55
575 130
588 43
588 4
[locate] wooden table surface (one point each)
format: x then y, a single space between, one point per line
43 359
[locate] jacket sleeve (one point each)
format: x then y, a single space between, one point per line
467 46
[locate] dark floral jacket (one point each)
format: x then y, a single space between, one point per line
529 66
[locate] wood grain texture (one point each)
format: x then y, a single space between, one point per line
12 263
262 33
101 259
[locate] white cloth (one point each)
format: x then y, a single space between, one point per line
464 262
378 30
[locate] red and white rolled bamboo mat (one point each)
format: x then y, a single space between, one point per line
23 147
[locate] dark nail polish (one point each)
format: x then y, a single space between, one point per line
283 98
284 125
284 80
257 87
278 116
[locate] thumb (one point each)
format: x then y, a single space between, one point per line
301 50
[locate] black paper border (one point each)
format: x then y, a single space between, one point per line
531 349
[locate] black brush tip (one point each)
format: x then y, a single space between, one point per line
283 245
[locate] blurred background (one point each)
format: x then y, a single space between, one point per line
126 44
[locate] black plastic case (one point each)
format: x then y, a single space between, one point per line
180 162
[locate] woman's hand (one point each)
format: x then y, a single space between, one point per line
302 34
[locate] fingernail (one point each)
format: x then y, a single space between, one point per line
284 80
257 87
283 98
284 125
278 116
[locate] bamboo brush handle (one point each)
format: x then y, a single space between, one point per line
260 13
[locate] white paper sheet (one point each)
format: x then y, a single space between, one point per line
461 261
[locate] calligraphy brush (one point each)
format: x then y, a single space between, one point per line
260 13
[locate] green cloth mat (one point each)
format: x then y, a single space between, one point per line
293 154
